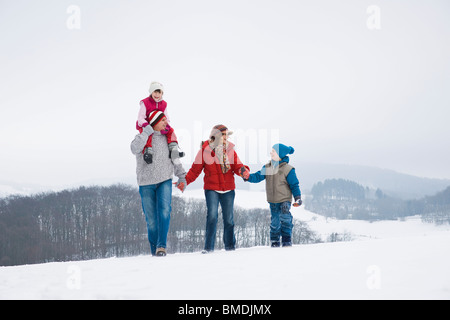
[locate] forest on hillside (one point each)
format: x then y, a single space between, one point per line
99 222
345 199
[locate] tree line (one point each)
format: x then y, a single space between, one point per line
99 222
436 208
344 199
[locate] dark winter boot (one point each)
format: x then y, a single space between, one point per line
148 155
275 244
286 241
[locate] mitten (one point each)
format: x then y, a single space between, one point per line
148 155
173 151
148 130
298 201
181 184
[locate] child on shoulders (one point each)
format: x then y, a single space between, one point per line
152 103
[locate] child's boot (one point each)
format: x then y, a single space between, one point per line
148 155
286 241
275 244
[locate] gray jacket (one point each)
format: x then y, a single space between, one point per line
162 168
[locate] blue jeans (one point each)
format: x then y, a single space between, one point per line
157 205
226 201
281 221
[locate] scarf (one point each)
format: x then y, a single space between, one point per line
221 153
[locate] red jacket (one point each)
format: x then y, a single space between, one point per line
214 178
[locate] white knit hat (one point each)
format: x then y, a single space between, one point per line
156 86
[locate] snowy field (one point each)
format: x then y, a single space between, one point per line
388 260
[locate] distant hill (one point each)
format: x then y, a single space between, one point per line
392 183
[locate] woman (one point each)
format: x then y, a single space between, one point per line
220 163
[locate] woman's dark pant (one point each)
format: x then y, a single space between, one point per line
226 201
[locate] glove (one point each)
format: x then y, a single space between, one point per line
181 184
245 173
173 151
298 201
148 155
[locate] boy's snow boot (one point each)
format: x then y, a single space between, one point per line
160 252
148 155
286 241
275 244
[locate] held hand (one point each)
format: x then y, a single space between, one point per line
245 173
181 184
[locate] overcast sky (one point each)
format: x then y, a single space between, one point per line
352 82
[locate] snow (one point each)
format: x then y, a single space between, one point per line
388 260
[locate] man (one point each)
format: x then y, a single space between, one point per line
155 181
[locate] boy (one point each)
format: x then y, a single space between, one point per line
281 185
